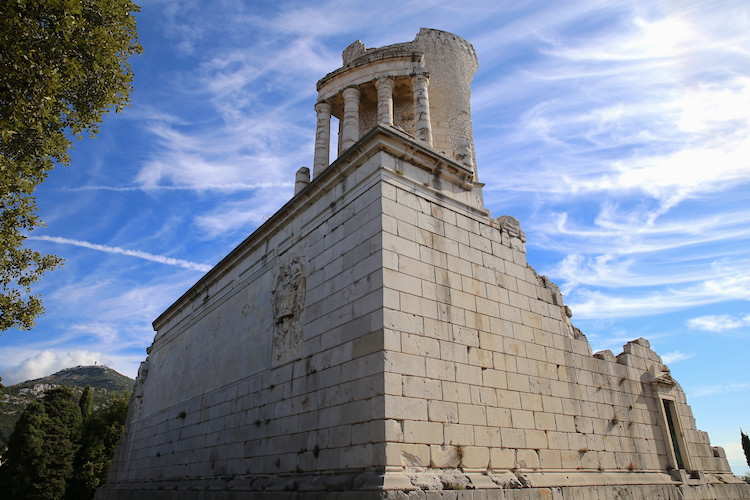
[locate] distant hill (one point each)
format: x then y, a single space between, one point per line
104 382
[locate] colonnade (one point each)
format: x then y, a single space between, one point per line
350 126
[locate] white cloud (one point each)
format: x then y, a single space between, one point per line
193 266
711 390
718 323
675 356
103 331
48 362
229 187
730 283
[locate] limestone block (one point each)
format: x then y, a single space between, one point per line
499 417
423 432
442 411
536 351
536 439
513 437
487 436
527 459
420 345
514 347
523 419
475 457
399 407
397 320
454 391
549 459
532 402
502 458
442 456
439 369
494 378
394 430
459 265
570 459
486 396
545 421
468 374
458 434
414 267
472 414
558 440
398 211
504 362
508 399
407 455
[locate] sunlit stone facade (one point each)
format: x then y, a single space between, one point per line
383 336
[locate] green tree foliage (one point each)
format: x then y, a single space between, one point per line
39 461
745 446
101 434
85 403
63 65
52 454
23 463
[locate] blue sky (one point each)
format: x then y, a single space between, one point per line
618 133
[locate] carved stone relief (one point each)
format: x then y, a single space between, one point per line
288 304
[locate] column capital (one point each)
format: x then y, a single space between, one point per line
323 107
351 93
422 79
385 81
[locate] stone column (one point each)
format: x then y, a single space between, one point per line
301 179
422 125
322 137
385 84
350 130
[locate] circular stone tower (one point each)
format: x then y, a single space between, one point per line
422 87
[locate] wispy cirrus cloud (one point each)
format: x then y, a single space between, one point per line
718 323
711 390
675 356
234 186
193 266
729 284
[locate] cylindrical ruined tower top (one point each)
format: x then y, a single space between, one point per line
422 87
451 62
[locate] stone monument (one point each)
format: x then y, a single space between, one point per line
382 336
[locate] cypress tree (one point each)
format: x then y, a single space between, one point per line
745 446
86 403
39 459
24 463
101 434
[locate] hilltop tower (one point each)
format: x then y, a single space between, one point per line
382 336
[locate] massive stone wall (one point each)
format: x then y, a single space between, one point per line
485 371
383 334
270 364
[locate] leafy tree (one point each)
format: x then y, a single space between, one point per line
102 433
39 459
85 403
745 446
63 65
23 462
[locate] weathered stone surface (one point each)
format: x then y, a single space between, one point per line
382 336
